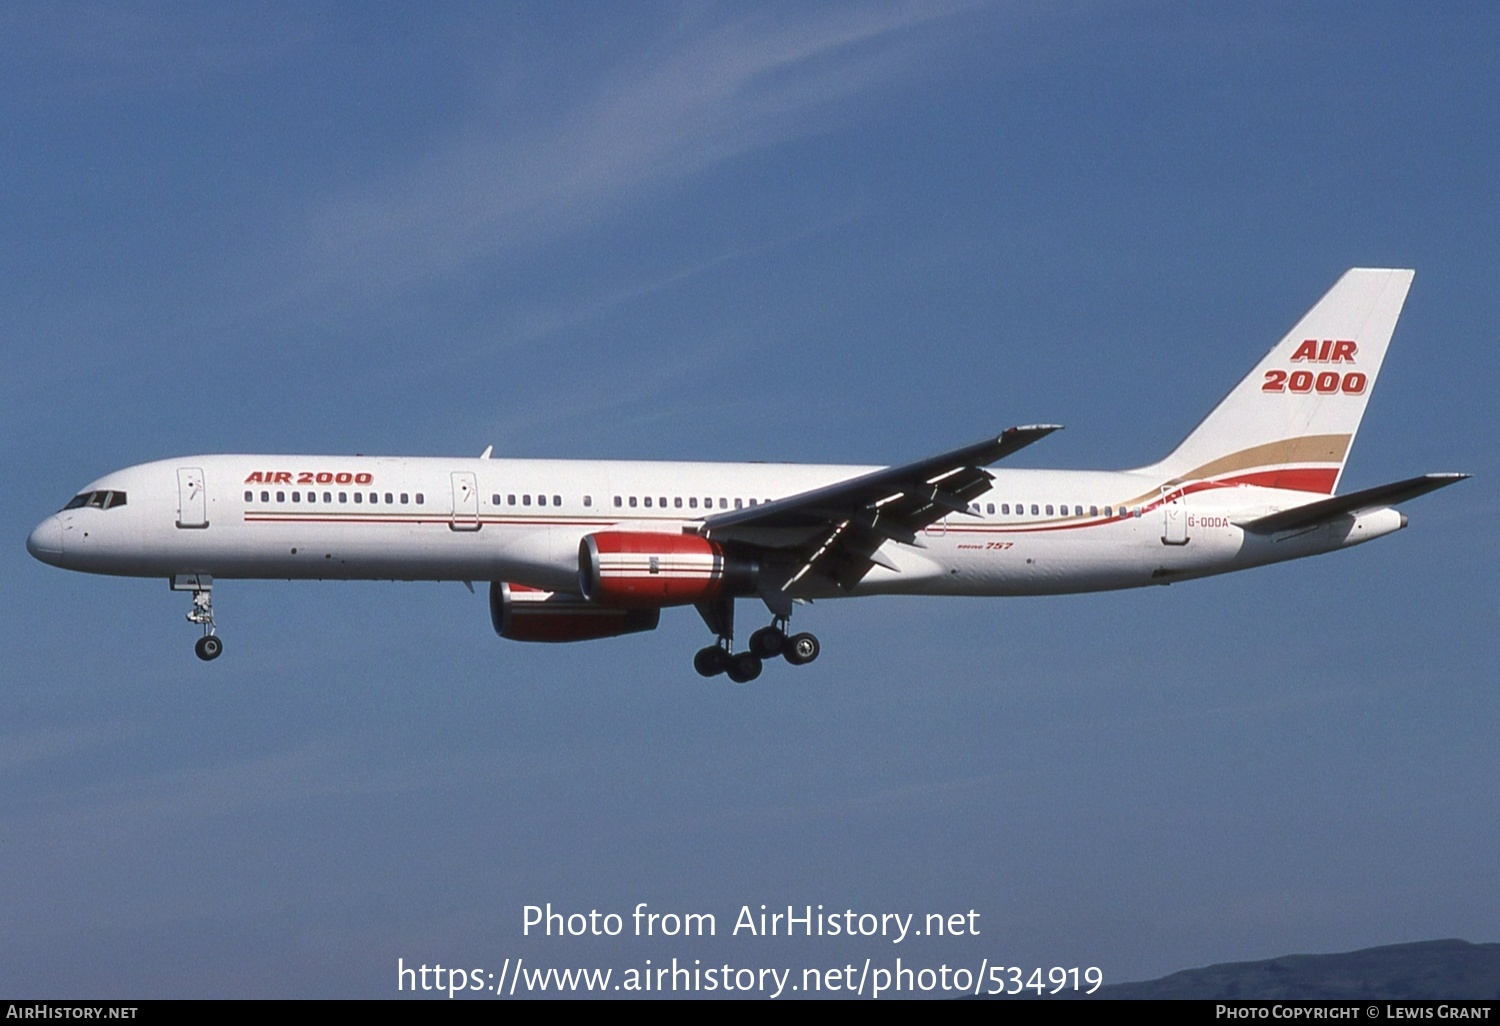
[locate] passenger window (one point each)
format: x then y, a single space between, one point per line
1049 510
249 496
281 496
296 496
752 502
510 500
343 496
1093 511
692 502
419 499
327 496
617 502
723 502
494 499
265 496
677 502
990 509
1034 510
359 496
374 496
663 502
541 500
557 500
739 504
648 502
526 500
632 502
588 501
389 499
403 499
1005 508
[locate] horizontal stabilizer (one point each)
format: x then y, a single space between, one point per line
1323 510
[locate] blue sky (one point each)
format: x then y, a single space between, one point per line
844 233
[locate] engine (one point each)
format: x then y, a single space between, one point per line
639 569
529 614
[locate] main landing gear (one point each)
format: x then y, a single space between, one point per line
766 643
210 646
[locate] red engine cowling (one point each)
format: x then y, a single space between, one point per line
638 569
529 614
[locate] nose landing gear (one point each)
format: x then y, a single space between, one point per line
210 646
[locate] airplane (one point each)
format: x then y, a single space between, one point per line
577 550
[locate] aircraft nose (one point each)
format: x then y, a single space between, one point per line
46 541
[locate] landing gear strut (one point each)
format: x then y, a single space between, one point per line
720 657
766 643
202 586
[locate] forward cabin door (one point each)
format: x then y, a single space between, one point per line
465 502
1174 516
192 498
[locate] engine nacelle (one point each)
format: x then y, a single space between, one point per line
529 614
639 569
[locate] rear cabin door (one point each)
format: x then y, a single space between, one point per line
1174 516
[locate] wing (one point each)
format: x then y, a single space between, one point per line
1314 513
836 531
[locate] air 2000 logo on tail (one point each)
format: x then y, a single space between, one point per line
1327 382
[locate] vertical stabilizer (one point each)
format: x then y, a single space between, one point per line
1291 422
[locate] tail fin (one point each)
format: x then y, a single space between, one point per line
1292 422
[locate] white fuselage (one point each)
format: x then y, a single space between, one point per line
521 521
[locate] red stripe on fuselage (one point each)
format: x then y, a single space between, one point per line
1292 479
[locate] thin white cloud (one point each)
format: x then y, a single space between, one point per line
706 92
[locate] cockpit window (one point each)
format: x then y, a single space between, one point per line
97 500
